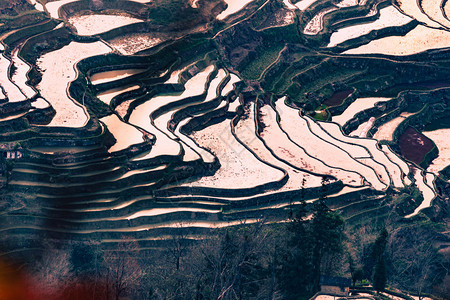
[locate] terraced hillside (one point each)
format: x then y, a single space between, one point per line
145 119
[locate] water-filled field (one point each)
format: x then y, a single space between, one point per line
121 117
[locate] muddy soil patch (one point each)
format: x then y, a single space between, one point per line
337 98
414 145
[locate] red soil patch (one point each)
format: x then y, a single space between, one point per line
337 98
414 145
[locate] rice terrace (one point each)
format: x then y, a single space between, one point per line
224 149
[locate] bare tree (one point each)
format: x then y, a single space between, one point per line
122 269
178 245
233 263
52 273
416 264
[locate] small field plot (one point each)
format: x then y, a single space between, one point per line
37 5
332 132
420 39
363 128
40 103
359 153
386 130
432 8
61 64
198 81
423 184
233 6
394 171
193 3
347 3
304 4
162 121
54 6
289 5
133 43
125 134
122 108
389 16
20 75
163 145
239 167
412 9
414 145
12 117
96 24
175 76
107 96
299 132
142 171
358 105
9 88
447 9
212 89
230 84
395 159
245 131
141 115
379 169
316 24
163 211
281 18
284 149
189 153
109 76
204 154
441 138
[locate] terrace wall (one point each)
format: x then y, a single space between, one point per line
133 8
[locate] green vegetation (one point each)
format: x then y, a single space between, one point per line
170 11
429 156
43 43
378 253
331 72
408 199
321 113
25 19
12 70
13 40
179 15
445 173
439 123
14 7
258 65
282 83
